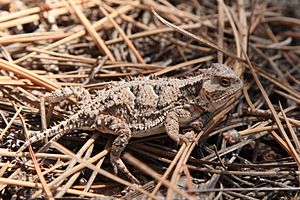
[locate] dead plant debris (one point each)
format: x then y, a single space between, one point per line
249 150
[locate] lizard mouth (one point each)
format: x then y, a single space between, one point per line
227 95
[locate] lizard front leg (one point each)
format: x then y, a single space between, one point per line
173 119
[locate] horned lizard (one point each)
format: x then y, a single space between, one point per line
144 107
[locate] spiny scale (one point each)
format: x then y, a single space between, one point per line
143 107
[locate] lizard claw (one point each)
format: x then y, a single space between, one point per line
187 138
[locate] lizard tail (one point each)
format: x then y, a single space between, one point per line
57 131
39 137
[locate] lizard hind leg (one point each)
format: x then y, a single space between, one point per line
123 132
61 94
117 148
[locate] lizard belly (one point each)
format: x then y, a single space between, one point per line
157 129
152 131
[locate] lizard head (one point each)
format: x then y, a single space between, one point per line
220 83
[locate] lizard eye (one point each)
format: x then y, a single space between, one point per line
225 82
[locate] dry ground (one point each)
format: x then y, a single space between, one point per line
248 150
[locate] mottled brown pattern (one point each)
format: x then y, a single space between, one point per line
143 107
